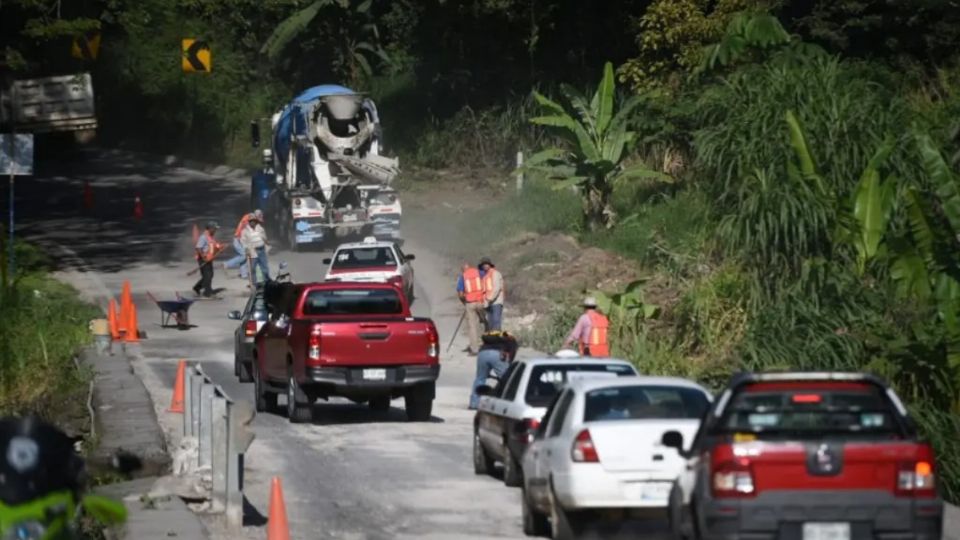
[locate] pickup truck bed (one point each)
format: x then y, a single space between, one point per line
345 339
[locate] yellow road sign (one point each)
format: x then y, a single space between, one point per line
86 47
196 56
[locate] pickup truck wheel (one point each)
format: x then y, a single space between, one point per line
299 407
265 401
379 404
418 407
512 473
482 463
534 523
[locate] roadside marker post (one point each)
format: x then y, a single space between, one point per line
519 172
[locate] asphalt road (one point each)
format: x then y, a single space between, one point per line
351 473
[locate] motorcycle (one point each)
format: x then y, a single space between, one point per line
43 484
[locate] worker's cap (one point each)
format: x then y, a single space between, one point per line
485 260
212 225
258 214
589 302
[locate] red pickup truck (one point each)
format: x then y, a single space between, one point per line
353 340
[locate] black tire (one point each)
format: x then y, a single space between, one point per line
482 462
379 404
265 400
418 407
677 517
242 370
534 523
512 472
563 524
299 405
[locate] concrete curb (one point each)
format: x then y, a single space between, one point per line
153 512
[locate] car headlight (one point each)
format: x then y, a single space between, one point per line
25 530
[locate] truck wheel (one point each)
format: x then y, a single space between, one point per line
512 473
534 522
292 239
419 407
265 401
379 404
299 406
482 463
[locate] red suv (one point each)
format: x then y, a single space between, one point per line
806 456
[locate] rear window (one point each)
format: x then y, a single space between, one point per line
363 257
547 379
812 410
353 302
644 403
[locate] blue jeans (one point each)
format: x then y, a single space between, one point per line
240 260
494 317
261 263
488 360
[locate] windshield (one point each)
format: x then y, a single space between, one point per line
364 257
547 379
644 403
353 302
811 409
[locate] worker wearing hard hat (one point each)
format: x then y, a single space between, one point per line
240 259
470 291
254 240
207 249
590 332
493 292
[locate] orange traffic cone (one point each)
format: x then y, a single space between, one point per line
126 300
137 208
87 195
277 528
132 335
176 404
112 320
196 233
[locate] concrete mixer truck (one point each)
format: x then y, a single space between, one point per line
329 174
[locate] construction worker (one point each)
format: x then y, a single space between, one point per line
240 259
207 249
492 293
470 291
496 353
590 332
254 240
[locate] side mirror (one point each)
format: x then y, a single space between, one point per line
254 134
484 390
411 257
235 315
326 261
672 439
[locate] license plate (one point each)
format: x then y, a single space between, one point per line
648 491
375 374
826 531
349 217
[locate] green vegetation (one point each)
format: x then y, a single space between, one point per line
43 324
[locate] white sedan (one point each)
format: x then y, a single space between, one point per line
598 448
372 260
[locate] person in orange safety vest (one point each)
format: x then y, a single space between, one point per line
207 249
590 332
471 293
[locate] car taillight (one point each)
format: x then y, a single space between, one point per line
250 328
732 479
313 344
433 343
530 426
583 450
396 280
916 479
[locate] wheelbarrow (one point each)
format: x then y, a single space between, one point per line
173 309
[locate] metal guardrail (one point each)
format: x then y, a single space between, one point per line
220 427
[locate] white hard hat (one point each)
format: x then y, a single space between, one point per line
589 302
267 153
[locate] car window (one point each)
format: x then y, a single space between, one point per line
644 402
400 254
504 379
511 392
811 409
353 302
556 423
363 257
545 420
547 379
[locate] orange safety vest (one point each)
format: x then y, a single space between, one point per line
243 223
596 344
212 247
488 285
472 286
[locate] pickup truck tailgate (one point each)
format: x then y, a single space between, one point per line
376 343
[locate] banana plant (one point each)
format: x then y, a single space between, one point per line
598 142
627 309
